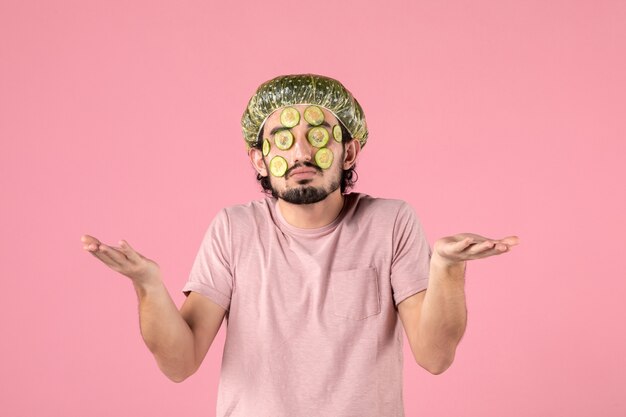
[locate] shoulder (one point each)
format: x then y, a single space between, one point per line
391 206
380 213
246 210
247 216
390 212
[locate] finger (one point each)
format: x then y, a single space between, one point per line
510 240
462 244
114 254
501 247
89 242
105 257
497 246
480 247
498 249
127 250
91 247
88 239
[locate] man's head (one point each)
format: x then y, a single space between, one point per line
304 133
304 172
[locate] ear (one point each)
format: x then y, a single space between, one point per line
352 151
256 159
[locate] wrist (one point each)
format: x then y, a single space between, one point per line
147 285
438 262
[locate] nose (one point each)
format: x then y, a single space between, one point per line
302 149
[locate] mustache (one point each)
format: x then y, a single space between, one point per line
303 165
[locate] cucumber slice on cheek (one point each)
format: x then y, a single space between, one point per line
324 158
278 166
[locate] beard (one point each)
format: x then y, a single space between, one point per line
303 194
308 194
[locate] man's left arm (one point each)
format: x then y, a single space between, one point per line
435 319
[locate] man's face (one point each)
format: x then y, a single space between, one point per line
312 166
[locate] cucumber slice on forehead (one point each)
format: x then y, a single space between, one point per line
324 158
337 133
283 139
266 147
278 166
289 117
318 136
314 115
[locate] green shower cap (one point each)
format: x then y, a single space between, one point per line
287 90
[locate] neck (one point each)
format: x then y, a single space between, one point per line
313 216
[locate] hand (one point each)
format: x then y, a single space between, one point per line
124 260
463 247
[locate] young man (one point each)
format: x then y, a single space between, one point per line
316 284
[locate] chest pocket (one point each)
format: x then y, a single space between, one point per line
355 293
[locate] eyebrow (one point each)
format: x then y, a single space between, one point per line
279 128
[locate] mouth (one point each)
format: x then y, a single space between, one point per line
302 172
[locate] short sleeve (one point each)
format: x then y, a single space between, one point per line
211 273
410 264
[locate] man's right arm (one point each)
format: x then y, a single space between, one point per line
179 340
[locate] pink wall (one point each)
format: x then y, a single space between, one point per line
121 120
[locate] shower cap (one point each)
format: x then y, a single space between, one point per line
287 90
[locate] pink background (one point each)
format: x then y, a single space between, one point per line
121 120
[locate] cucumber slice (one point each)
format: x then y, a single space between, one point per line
278 166
314 115
324 158
318 136
266 147
337 133
289 117
283 139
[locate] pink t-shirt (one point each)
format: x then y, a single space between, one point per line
312 322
